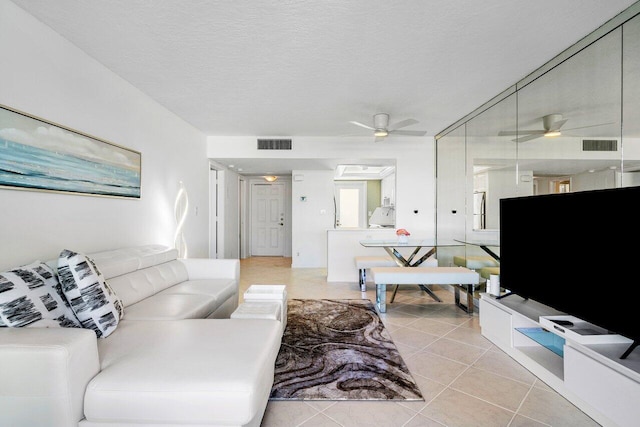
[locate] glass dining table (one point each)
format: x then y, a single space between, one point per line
485 245
420 250
394 246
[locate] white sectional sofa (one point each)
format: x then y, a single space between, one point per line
174 359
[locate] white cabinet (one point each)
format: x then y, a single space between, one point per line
591 376
616 395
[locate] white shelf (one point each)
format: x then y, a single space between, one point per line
546 359
590 373
581 331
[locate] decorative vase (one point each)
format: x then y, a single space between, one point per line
403 239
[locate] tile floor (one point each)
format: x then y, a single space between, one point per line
465 380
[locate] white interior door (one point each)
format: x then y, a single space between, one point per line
267 219
351 204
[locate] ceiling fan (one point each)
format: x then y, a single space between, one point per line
551 123
381 127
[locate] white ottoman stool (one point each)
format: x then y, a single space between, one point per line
272 294
257 310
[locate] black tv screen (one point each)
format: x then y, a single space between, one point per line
575 252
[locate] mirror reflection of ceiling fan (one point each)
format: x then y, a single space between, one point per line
381 127
551 123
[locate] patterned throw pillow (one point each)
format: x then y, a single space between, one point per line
94 302
30 295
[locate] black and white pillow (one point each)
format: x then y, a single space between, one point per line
93 301
30 295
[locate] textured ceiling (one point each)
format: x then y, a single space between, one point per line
307 68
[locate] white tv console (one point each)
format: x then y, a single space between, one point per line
590 375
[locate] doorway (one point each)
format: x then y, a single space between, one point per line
267 219
351 204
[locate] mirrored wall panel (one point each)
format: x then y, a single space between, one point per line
573 125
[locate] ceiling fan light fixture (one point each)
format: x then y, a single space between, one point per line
381 132
552 133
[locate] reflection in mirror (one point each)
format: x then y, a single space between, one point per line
569 127
450 192
491 161
631 103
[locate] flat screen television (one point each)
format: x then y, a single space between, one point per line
575 252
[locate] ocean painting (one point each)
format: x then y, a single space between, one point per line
38 155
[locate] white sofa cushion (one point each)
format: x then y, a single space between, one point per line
31 295
219 289
91 298
140 284
125 260
44 373
172 307
209 372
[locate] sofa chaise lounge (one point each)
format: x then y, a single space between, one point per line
174 358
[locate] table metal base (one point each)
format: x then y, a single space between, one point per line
469 306
381 296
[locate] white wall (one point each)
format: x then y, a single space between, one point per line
44 75
415 178
312 217
229 209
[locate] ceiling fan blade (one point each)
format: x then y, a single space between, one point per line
557 125
404 124
362 125
409 132
592 126
528 137
521 132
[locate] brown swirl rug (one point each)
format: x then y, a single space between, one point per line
339 350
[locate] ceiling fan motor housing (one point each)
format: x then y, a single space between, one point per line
381 121
551 121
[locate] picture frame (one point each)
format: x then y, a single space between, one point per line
39 155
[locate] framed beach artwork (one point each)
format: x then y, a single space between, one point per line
39 155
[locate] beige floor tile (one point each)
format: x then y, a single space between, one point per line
470 336
287 413
494 389
520 421
456 350
498 362
421 421
367 414
438 341
320 420
429 389
550 408
455 409
412 337
397 318
432 327
434 367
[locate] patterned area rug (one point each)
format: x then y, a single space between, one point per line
339 350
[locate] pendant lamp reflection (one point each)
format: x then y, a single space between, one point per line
180 209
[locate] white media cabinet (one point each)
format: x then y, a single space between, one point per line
590 375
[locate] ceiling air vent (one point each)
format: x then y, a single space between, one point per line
274 144
599 145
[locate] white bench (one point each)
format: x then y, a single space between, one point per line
421 276
364 263
475 262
